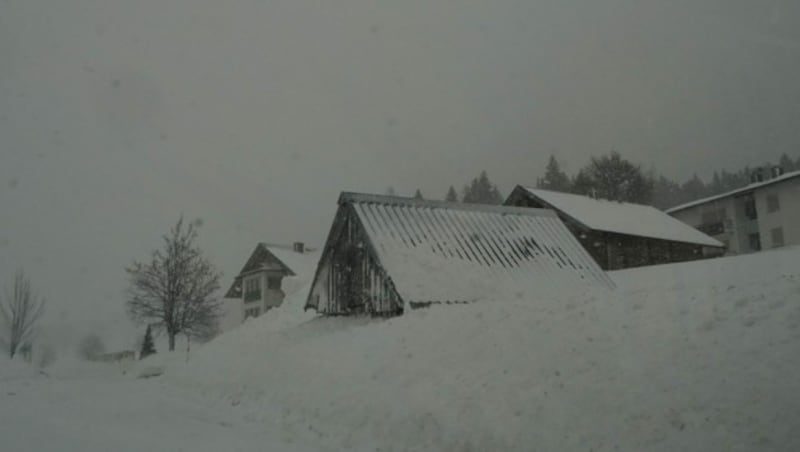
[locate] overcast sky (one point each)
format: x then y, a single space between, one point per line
118 115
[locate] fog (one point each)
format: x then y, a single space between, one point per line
118 116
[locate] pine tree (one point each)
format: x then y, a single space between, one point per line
786 163
582 184
482 191
554 179
614 178
451 196
666 193
148 346
693 189
418 194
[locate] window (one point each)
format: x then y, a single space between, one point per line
253 312
750 208
252 289
777 237
274 282
755 242
773 203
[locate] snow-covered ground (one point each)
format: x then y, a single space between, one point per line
695 356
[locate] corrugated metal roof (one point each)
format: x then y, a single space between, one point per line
438 251
623 218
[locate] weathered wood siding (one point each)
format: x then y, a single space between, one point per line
614 251
352 281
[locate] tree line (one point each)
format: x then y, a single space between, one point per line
615 178
480 190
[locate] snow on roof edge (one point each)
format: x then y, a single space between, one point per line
753 186
661 226
347 197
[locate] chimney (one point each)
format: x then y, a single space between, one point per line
299 247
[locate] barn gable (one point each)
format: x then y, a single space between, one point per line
385 254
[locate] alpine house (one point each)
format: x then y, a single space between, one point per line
385 254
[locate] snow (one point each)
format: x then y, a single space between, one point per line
745 189
303 265
693 356
454 253
623 218
296 287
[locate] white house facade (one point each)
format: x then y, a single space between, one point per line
271 273
760 216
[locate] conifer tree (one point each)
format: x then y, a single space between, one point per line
451 196
554 178
148 346
482 191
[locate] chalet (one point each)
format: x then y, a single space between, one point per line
385 254
762 215
271 273
621 235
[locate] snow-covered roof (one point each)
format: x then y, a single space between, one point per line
622 218
738 191
302 265
298 267
437 251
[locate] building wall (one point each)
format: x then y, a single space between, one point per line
614 251
350 280
269 298
786 218
272 297
739 226
618 251
697 218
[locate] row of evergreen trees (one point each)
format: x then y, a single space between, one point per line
480 191
615 178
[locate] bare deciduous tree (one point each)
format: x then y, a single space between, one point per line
175 290
20 311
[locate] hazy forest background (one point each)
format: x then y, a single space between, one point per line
615 178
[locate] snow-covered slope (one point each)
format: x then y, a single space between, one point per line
695 356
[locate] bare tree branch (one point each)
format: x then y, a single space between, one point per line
175 290
20 311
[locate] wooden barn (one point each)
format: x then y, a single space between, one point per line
621 235
386 254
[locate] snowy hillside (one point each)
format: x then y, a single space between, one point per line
696 356
682 356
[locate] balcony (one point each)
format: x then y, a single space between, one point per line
253 295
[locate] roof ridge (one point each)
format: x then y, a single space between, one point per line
589 197
750 186
353 197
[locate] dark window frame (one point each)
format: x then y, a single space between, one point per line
274 282
773 203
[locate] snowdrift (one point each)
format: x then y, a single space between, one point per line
694 356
